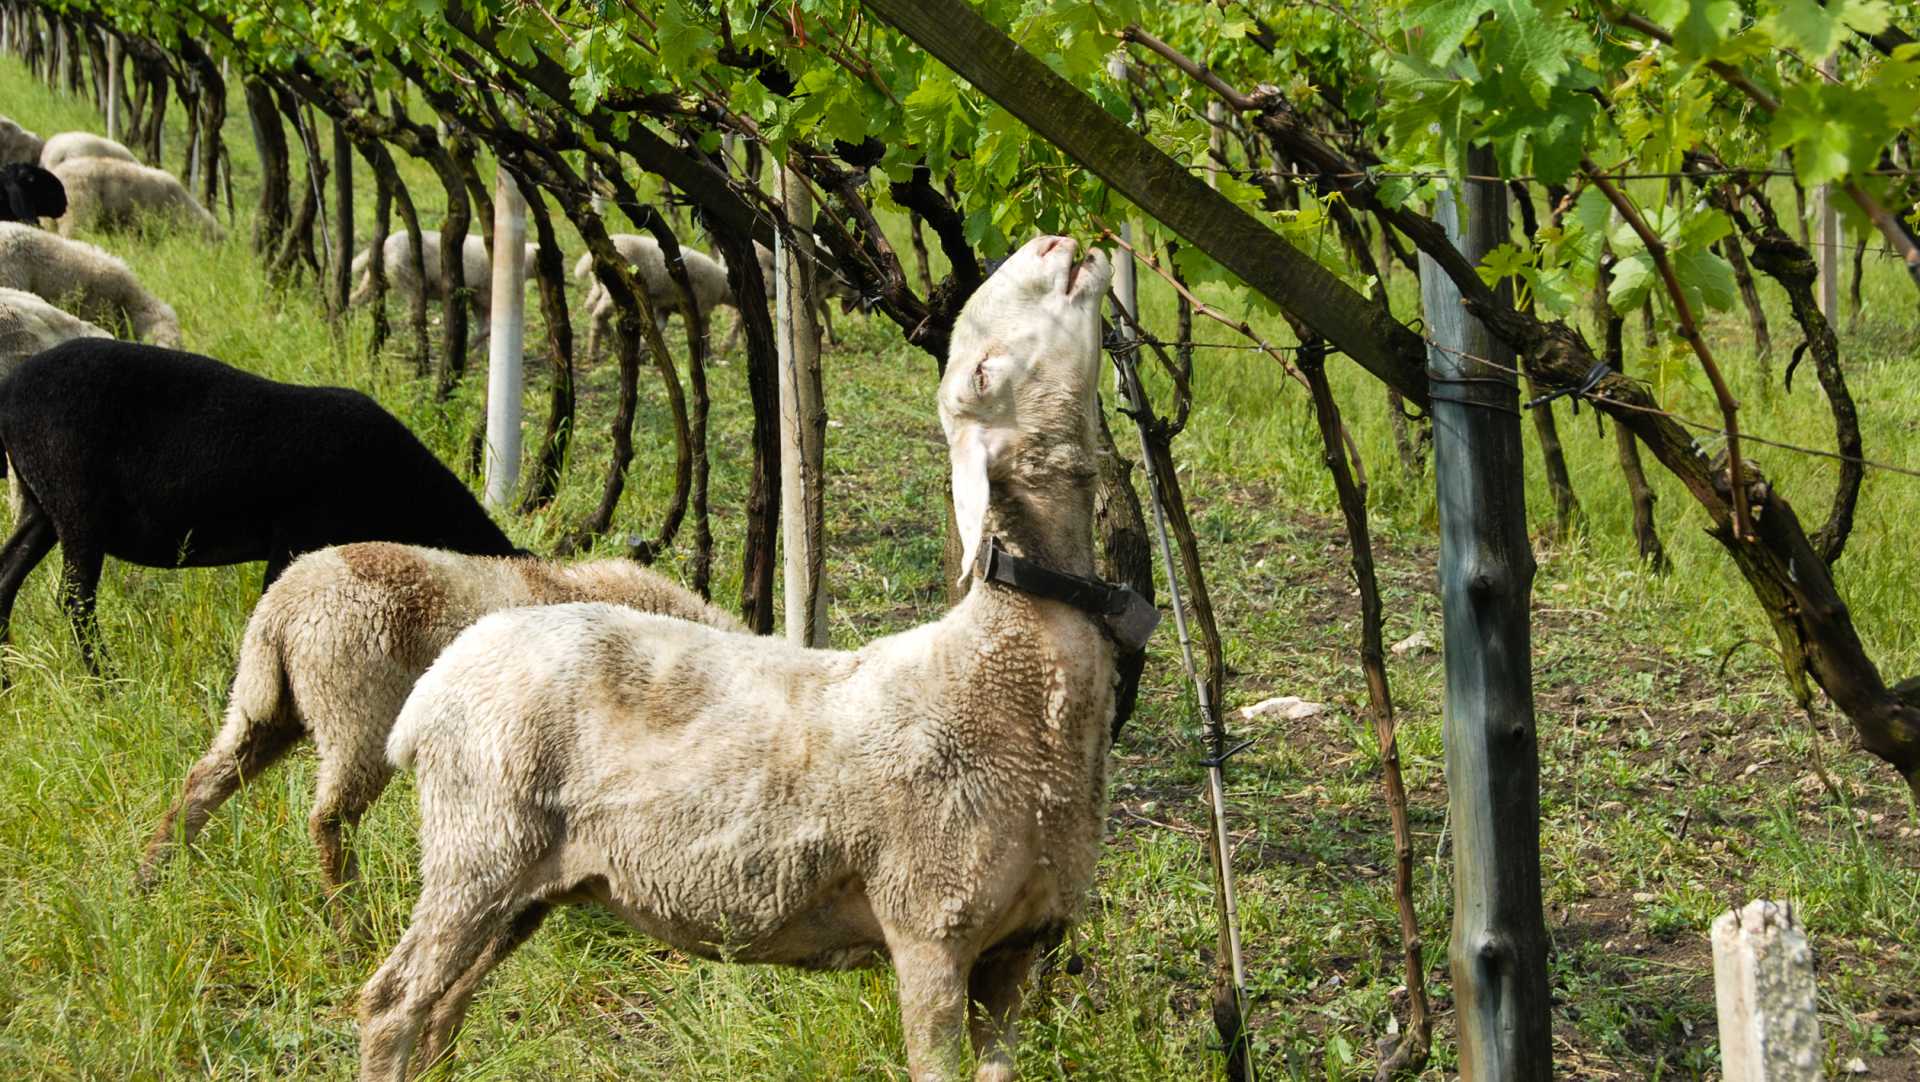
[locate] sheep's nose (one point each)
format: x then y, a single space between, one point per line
1048 245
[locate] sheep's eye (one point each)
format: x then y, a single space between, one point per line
980 376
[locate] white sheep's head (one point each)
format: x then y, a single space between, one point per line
1023 371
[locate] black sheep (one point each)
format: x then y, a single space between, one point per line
29 193
169 459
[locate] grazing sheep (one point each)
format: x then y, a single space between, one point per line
476 268
335 645
109 194
169 459
28 324
86 281
29 193
706 275
828 286
937 796
17 144
69 145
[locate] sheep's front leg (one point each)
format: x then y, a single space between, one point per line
995 988
932 976
33 537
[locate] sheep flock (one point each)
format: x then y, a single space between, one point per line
579 733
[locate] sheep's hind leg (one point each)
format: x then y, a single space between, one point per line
244 749
995 988
447 1014
347 786
932 977
79 593
452 927
596 332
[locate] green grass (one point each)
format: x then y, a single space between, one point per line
1668 790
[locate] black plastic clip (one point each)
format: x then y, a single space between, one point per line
1221 759
1592 379
1118 342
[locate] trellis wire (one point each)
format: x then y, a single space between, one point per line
1701 426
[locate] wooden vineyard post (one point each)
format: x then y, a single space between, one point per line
505 340
1499 943
342 218
803 417
1763 987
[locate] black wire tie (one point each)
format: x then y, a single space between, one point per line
1221 759
1592 379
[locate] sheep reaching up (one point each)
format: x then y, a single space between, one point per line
86 281
334 646
17 144
69 145
110 194
167 459
937 796
29 193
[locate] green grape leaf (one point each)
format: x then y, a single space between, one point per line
1632 279
1704 276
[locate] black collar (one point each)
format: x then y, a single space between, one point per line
1122 612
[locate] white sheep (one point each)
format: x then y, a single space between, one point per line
706 275
476 268
18 144
937 796
84 280
108 194
28 324
334 646
68 145
827 286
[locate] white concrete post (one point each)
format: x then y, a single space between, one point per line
1826 230
1763 986
505 339
1216 141
113 88
803 417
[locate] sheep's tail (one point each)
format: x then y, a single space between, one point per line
403 743
261 693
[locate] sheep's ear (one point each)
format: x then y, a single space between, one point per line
973 448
